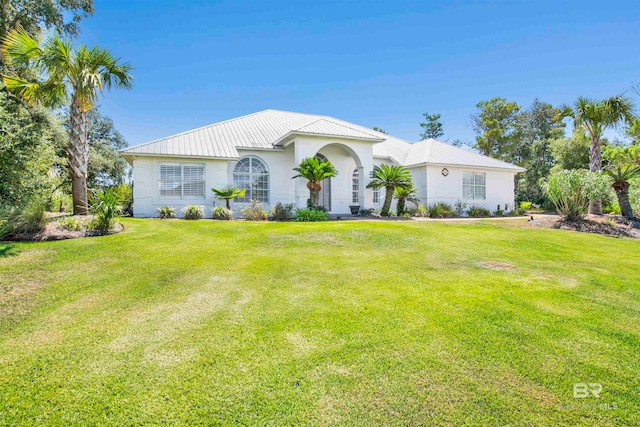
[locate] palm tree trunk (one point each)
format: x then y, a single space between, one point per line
388 197
595 165
228 204
622 191
78 153
314 195
400 206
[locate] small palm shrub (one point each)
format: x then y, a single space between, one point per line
28 220
421 211
221 213
478 212
571 190
106 207
193 212
440 210
310 215
282 212
254 212
166 212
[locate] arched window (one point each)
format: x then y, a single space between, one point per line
251 174
355 186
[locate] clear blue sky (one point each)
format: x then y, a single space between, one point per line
373 63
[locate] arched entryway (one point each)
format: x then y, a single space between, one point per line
324 197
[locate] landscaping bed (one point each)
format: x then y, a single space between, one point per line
610 225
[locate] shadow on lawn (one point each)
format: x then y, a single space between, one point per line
8 249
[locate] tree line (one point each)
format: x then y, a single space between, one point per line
535 138
53 139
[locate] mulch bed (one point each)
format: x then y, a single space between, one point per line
609 225
54 231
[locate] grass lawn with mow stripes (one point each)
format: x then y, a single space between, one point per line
339 323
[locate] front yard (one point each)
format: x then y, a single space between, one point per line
341 323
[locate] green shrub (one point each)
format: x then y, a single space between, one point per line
166 212
460 207
60 202
634 197
367 212
611 208
498 211
28 220
281 212
421 211
440 210
254 212
310 215
221 213
106 207
526 205
193 212
71 224
517 211
571 190
125 195
478 212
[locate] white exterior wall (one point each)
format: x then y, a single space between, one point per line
499 186
146 185
282 188
280 165
346 155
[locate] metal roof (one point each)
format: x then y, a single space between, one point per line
264 129
432 152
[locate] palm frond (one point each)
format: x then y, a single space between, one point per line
19 48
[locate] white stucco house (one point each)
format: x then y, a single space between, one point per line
258 152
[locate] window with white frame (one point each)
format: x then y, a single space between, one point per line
355 186
252 175
182 180
474 185
376 195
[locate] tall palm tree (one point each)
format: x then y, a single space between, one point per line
315 170
80 75
404 195
228 193
390 178
621 176
595 117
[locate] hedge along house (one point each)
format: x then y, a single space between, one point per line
258 152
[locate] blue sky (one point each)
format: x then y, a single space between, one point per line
375 63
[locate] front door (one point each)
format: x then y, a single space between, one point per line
324 197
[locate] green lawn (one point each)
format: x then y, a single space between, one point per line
341 323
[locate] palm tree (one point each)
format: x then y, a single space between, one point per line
315 170
621 176
595 117
228 193
404 194
80 74
390 177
